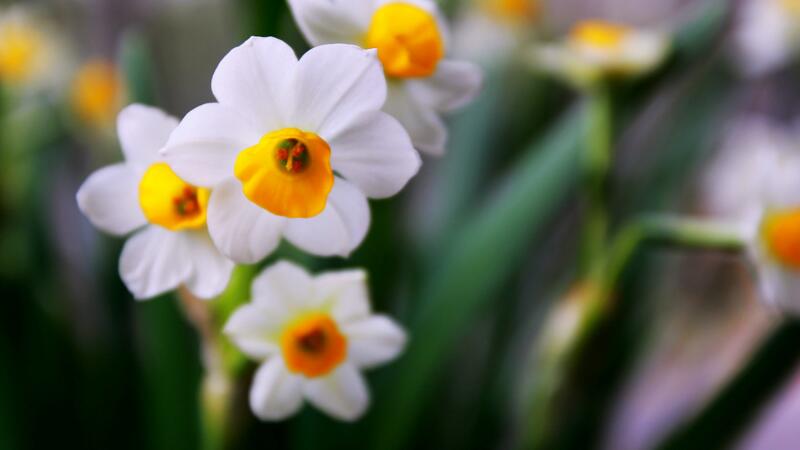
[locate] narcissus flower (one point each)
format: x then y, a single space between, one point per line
767 35
173 246
595 50
775 240
29 53
97 93
313 335
411 39
489 31
293 148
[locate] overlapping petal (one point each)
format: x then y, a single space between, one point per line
342 394
426 128
254 328
348 289
376 154
453 85
338 229
203 149
276 393
239 228
143 130
374 340
211 270
332 21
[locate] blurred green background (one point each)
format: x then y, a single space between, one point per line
477 257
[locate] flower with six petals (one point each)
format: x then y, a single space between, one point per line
173 246
292 148
313 335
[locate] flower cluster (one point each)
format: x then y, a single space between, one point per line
292 148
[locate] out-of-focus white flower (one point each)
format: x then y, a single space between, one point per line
412 39
313 335
271 145
489 30
767 35
752 150
31 57
596 50
173 246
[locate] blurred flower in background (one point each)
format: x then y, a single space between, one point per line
31 53
768 35
97 93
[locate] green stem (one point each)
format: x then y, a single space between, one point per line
597 162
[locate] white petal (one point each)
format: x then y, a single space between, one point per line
110 199
342 394
203 148
255 329
347 289
454 84
143 130
332 21
211 270
283 283
240 229
153 261
275 393
423 124
335 84
338 229
254 79
373 341
376 154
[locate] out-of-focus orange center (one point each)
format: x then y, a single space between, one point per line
97 93
407 38
312 345
598 34
20 48
512 10
288 173
168 201
781 233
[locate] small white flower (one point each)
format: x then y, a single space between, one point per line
595 50
313 335
767 35
411 39
173 246
293 148
489 31
775 237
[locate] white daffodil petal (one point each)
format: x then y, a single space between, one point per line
254 79
254 328
241 230
338 229
211 271
203 148
427 131
275 393
153 261
376 154
332 21
373 341
348 289
110 199
454 84
334 85
342 394
282 284
143 130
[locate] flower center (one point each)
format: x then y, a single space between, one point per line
781 233
790 6
288 173
512 10
97 92
313 345
168 201
407 38
19 47
598 35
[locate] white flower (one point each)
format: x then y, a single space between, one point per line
172 247
774 242
411 39
489 31
595 50
313 335
293 148
767 35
